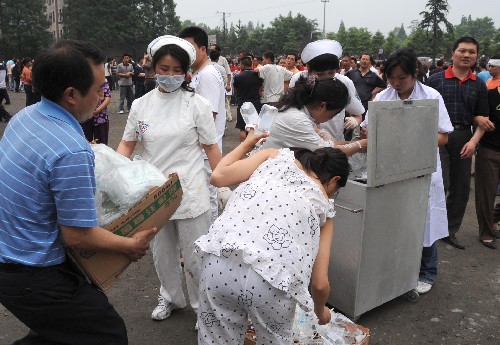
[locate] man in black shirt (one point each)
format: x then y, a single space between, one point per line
367 83
247 85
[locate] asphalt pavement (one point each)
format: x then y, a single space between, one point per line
463 308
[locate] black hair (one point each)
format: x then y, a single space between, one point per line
294 55
216 46
126 54
214 55
313 91
109 59
323 62
405 58
177 53
68 64
369 55
259 58
325 162
482 64
25 60
199 36
269 55
466 39
440 63
246 61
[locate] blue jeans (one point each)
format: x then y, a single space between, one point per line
428 264
126 92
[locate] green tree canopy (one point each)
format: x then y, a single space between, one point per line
432 22
24 30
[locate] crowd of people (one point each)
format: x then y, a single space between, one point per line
269 250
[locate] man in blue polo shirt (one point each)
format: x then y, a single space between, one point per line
466 100
47 203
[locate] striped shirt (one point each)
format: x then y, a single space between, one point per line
47 170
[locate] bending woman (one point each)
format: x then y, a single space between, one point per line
172 125
272 239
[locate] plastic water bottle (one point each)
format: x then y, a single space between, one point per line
305 322
249 114
267 115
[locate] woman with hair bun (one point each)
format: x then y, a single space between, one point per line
271 241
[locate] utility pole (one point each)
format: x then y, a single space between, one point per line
224 26
324 16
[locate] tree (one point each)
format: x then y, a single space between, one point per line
24 29
129 24
432 20
378 41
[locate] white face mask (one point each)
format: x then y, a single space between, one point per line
170 83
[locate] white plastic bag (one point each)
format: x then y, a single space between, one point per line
120 182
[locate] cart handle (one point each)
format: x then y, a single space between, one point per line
353 210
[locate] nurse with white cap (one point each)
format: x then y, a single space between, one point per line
171 126
322 58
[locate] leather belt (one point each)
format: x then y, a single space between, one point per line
461 127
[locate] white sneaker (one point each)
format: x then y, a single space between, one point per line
121 112
423 287
162 310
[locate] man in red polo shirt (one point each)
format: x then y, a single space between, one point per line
466 99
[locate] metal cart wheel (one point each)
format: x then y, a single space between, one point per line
412 296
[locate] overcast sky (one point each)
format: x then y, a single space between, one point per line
383 15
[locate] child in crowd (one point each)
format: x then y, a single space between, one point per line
97 128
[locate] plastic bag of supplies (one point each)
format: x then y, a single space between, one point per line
121 182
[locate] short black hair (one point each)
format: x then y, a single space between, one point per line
126 54
67 64
294 55
217 47
405 58
269 55
440 63
466 39
246 61
199 36
323 62
214 55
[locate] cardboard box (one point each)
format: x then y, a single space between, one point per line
154 210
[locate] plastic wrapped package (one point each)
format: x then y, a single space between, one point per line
261 122
120 182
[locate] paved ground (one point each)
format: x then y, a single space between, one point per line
462 309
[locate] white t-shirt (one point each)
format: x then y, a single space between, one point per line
335 126
169 128
208 83
436 225
274 78
295 128
274 221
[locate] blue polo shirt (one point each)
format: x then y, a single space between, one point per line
47 179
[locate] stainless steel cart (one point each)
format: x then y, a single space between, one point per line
379 226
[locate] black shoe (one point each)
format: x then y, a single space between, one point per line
490 244
452 241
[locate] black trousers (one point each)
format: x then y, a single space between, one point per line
456 177
59 306
4 114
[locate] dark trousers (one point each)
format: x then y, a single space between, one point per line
30 96
4 114
98 133
429 264
126 92
140 88
456 178
487 174
5 95
150 84
111 84
59 306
